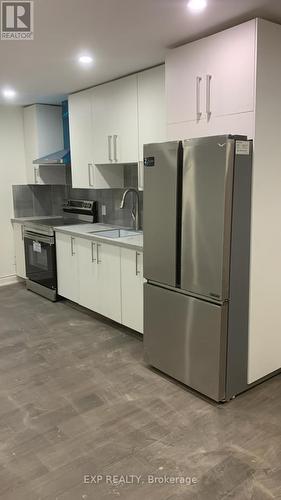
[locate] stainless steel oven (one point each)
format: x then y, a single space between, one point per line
40 258
40 245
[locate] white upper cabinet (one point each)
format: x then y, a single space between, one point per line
104 120
236 124
184 82
212 77
43 134
81 139
85 174
115 122
151 107
230 63
126 148
110 123
151 111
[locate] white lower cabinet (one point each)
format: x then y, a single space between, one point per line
108 281
99 276
89 295
132 288
67 266
19 250
105 278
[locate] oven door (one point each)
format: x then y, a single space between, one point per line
40 259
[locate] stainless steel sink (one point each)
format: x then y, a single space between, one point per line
116 233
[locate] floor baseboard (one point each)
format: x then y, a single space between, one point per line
10 280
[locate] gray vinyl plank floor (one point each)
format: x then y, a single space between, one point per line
83 417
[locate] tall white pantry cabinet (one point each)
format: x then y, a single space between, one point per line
230 83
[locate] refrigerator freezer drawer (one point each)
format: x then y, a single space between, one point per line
185 338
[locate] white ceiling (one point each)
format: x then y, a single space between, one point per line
123 35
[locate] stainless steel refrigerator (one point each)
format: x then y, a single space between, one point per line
197 215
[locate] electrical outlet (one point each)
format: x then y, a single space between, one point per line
103 210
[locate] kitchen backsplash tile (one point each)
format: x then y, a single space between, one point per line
23 201
31 200
39 200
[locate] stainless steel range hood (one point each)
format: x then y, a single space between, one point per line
62 157
59 158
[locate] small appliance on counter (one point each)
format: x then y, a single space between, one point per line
40 245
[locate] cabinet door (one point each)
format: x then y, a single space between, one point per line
230 70
30 143
67 266
115 128
19 250
89 290
125 137
81 139
43 134
184 83
240 123
49 174
151 111
104 123
109 281
132 289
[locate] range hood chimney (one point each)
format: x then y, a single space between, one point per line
61 157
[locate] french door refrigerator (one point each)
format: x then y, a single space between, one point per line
197 206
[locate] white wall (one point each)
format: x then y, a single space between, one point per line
265 284
12 171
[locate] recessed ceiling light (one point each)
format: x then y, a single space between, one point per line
86 60
9 93
197 5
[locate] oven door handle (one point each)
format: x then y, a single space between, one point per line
39 237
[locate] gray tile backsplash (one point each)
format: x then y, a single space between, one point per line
31 200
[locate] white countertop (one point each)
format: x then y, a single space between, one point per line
37 217
83 231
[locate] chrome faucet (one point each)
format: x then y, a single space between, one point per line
136 209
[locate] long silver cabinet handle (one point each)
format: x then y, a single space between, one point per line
198 95
115 147
98 253
109 143
35 175
22 232
208 95
90 166
72 241
137 262
140 175
93 253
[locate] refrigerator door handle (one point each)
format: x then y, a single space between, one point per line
198 95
